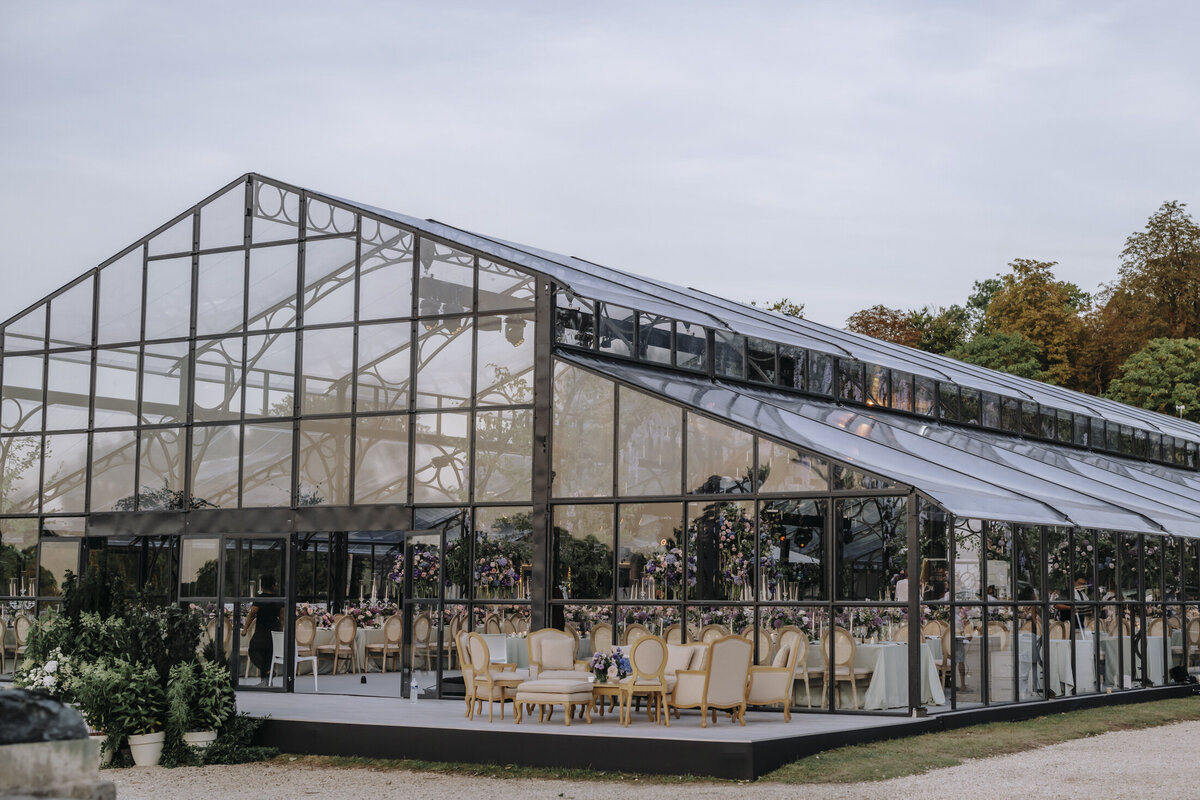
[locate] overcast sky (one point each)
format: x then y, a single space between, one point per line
840 154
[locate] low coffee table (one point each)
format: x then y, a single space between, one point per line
601 691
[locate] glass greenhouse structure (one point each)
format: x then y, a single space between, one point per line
382 412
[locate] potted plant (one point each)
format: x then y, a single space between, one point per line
199 700
138 710
93 686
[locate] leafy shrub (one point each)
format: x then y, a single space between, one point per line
233 744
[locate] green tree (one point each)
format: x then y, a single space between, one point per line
888 324
1161 376
1162 265
941 329
1007 352
783 306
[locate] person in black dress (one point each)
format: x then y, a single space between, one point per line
269 613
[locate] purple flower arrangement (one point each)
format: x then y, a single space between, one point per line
612 666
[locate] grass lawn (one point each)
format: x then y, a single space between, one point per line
866 762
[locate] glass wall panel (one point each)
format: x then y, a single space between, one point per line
1129 567
1059 582
616 330
722 540
57 558
22 394
27 332
792 550
441 457
324 462
329 267
68 383
1152 567
503 553
785 469
175 239
851 381
1002 641
276 213
444 346
760 355
650 557
198 563
990 414
582 548
505 358
791 366
20 463
656 620
267 465
650 438
583 423
878 386
654 338
502 288
923 395
871 548
218 389
574 320
220 293
325 219
215 466
934 541
165 379
326 382
968 553
18 569
161 465
446 279
64 484
114 460
271 301
706 623
384 367
1030 672
729 354
582 619
385 278
223 220
121 299
504 455
381 460
270 375
720 458
970 401
71 316
691 346
116 388
168 298
845 478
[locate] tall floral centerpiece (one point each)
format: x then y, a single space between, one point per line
667 571
498 568
426 570
735 551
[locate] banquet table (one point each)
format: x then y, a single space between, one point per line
888 684
1155 670
1060 677
362 637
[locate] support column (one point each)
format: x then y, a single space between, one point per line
543 385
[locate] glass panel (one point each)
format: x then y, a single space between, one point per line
934 578
721 541
968 553
785 469
165 383
215 466
650 559
1064 429
850 381
878 390
64 487
583 618
761 360
923 392
271 302
1046 417
849 479
616 330
385 278
706 623
582 548
503 553
502 288
574 320
504 455
505 359
198 567
175 239
329 266
791 367
1081 431
1002 633
872 546
720 457
948 406
1030 419
223 221
220 291
1010 415
56 560
729 354
22 394
1059 582
18 540
326 381
381 460
583 423
691 346
1030 685
442 456
443 348
793 550
267 464
384 364
324 462
654 338
656 620
651 442
820 373
276 213
114 458
446 278
1152 553
71 316
168 298
324 218
1191 571
161 467
218 389
970 406
1129 567
27 332
67 382
116 388
1027 560
270 375
990 414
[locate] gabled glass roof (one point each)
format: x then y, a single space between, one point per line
970 473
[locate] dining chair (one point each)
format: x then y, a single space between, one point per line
1001 631
345 631
491 624
244 647
422 629
900 632
484 685
842 667
601 636
1154 626
1192 636
722 683
508 627
648 660
633 632
802 670
21 625
762 640
1060 630
277 647
306 634
673 634
710 633
773 684
393 632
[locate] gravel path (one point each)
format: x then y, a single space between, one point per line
1157 762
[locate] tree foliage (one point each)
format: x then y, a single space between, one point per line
1161 376
783 305
888 324
1162 265
1007 352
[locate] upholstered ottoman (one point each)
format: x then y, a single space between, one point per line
543 693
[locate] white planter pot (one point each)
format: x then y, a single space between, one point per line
105 755
201 739
146 748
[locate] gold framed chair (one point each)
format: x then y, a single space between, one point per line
342 648
763 647
648 658
773 684
710 633
488 684
422 630
673 634
491 624
393 634
900 632
632 633
801 670
722 683
552 656
842 667
601 636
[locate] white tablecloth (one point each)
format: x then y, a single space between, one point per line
1154 659
1061 679
888 682
362 637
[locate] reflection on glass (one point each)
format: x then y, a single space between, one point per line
446 278
18 570
218 389
215 466
1001 635
722 540
381 460
582 547
999 560
161 470
68 379
198 565
385 278
324 462
871 546
444 347
785 469
326 381
651 445
64 481
616 330
729 356
329 266
71 316
505 359
56 560
720 458
441 457
503 553
220 292
968 550
502 288
651 563
267 464
792 550
384 365
504 455
20 463
114 458
583 423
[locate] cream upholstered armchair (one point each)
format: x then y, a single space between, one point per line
552 656
773 684
720 684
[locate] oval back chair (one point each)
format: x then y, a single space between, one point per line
634 632
602 637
